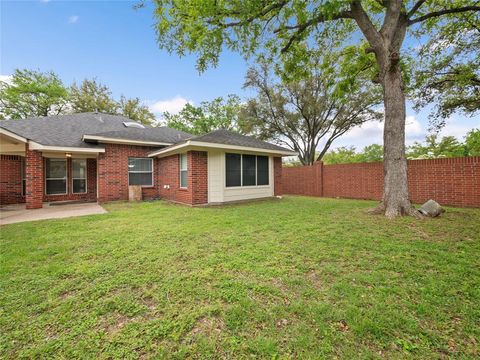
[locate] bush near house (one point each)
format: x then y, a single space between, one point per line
292 278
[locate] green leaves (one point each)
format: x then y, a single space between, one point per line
32 93
212 115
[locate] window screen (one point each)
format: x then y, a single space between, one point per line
140 171
55 176
79 180
183 170
262 170
233 169
248 170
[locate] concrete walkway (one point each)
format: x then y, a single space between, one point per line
17 213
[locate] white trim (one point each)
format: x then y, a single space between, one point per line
219 146
104 139
85 178
66 176
32 145
12 135
142 172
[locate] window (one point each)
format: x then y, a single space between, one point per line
246 170
23 175
183 170
56 176
233 166
79 178
262 170
140 171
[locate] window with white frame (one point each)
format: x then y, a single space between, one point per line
55 176
140 171
79 176
246 170
183 170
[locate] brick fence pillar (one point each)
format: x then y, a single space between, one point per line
34 178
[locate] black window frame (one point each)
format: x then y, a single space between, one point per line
242 179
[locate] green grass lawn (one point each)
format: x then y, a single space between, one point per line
298 277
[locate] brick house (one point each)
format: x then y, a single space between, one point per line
95 157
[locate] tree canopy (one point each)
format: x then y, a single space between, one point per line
32 93
448 74
91 96
212 115
310 112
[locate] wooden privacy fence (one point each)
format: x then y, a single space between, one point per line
453 181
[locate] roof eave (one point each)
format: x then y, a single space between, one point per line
12 135
32 145
109 140
190 143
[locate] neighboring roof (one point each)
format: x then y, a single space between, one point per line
227 140
68 130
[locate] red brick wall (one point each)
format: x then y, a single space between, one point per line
198 176
353 181
303 180
34 179
113 172
10 180
453 181
169 174
277 176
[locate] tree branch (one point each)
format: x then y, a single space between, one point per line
443 12
415 7
301 28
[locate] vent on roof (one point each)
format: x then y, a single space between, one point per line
133 125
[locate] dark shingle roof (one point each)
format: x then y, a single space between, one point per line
154 134
68 130
230 138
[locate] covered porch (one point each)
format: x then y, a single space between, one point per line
32 173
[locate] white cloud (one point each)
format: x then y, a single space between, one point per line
6 78
73 19
173 105
459 129
371 132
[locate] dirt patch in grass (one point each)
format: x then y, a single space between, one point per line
207 326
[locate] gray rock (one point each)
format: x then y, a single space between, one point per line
431 208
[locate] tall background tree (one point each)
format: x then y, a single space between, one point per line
311 112
278 27
32 93
92 96
212 115
135 110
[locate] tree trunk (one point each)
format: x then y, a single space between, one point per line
395 201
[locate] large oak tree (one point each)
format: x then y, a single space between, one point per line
249 26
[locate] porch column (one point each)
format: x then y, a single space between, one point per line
34 178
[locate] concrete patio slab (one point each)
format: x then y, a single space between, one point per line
17 213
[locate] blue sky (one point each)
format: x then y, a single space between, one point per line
116 44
